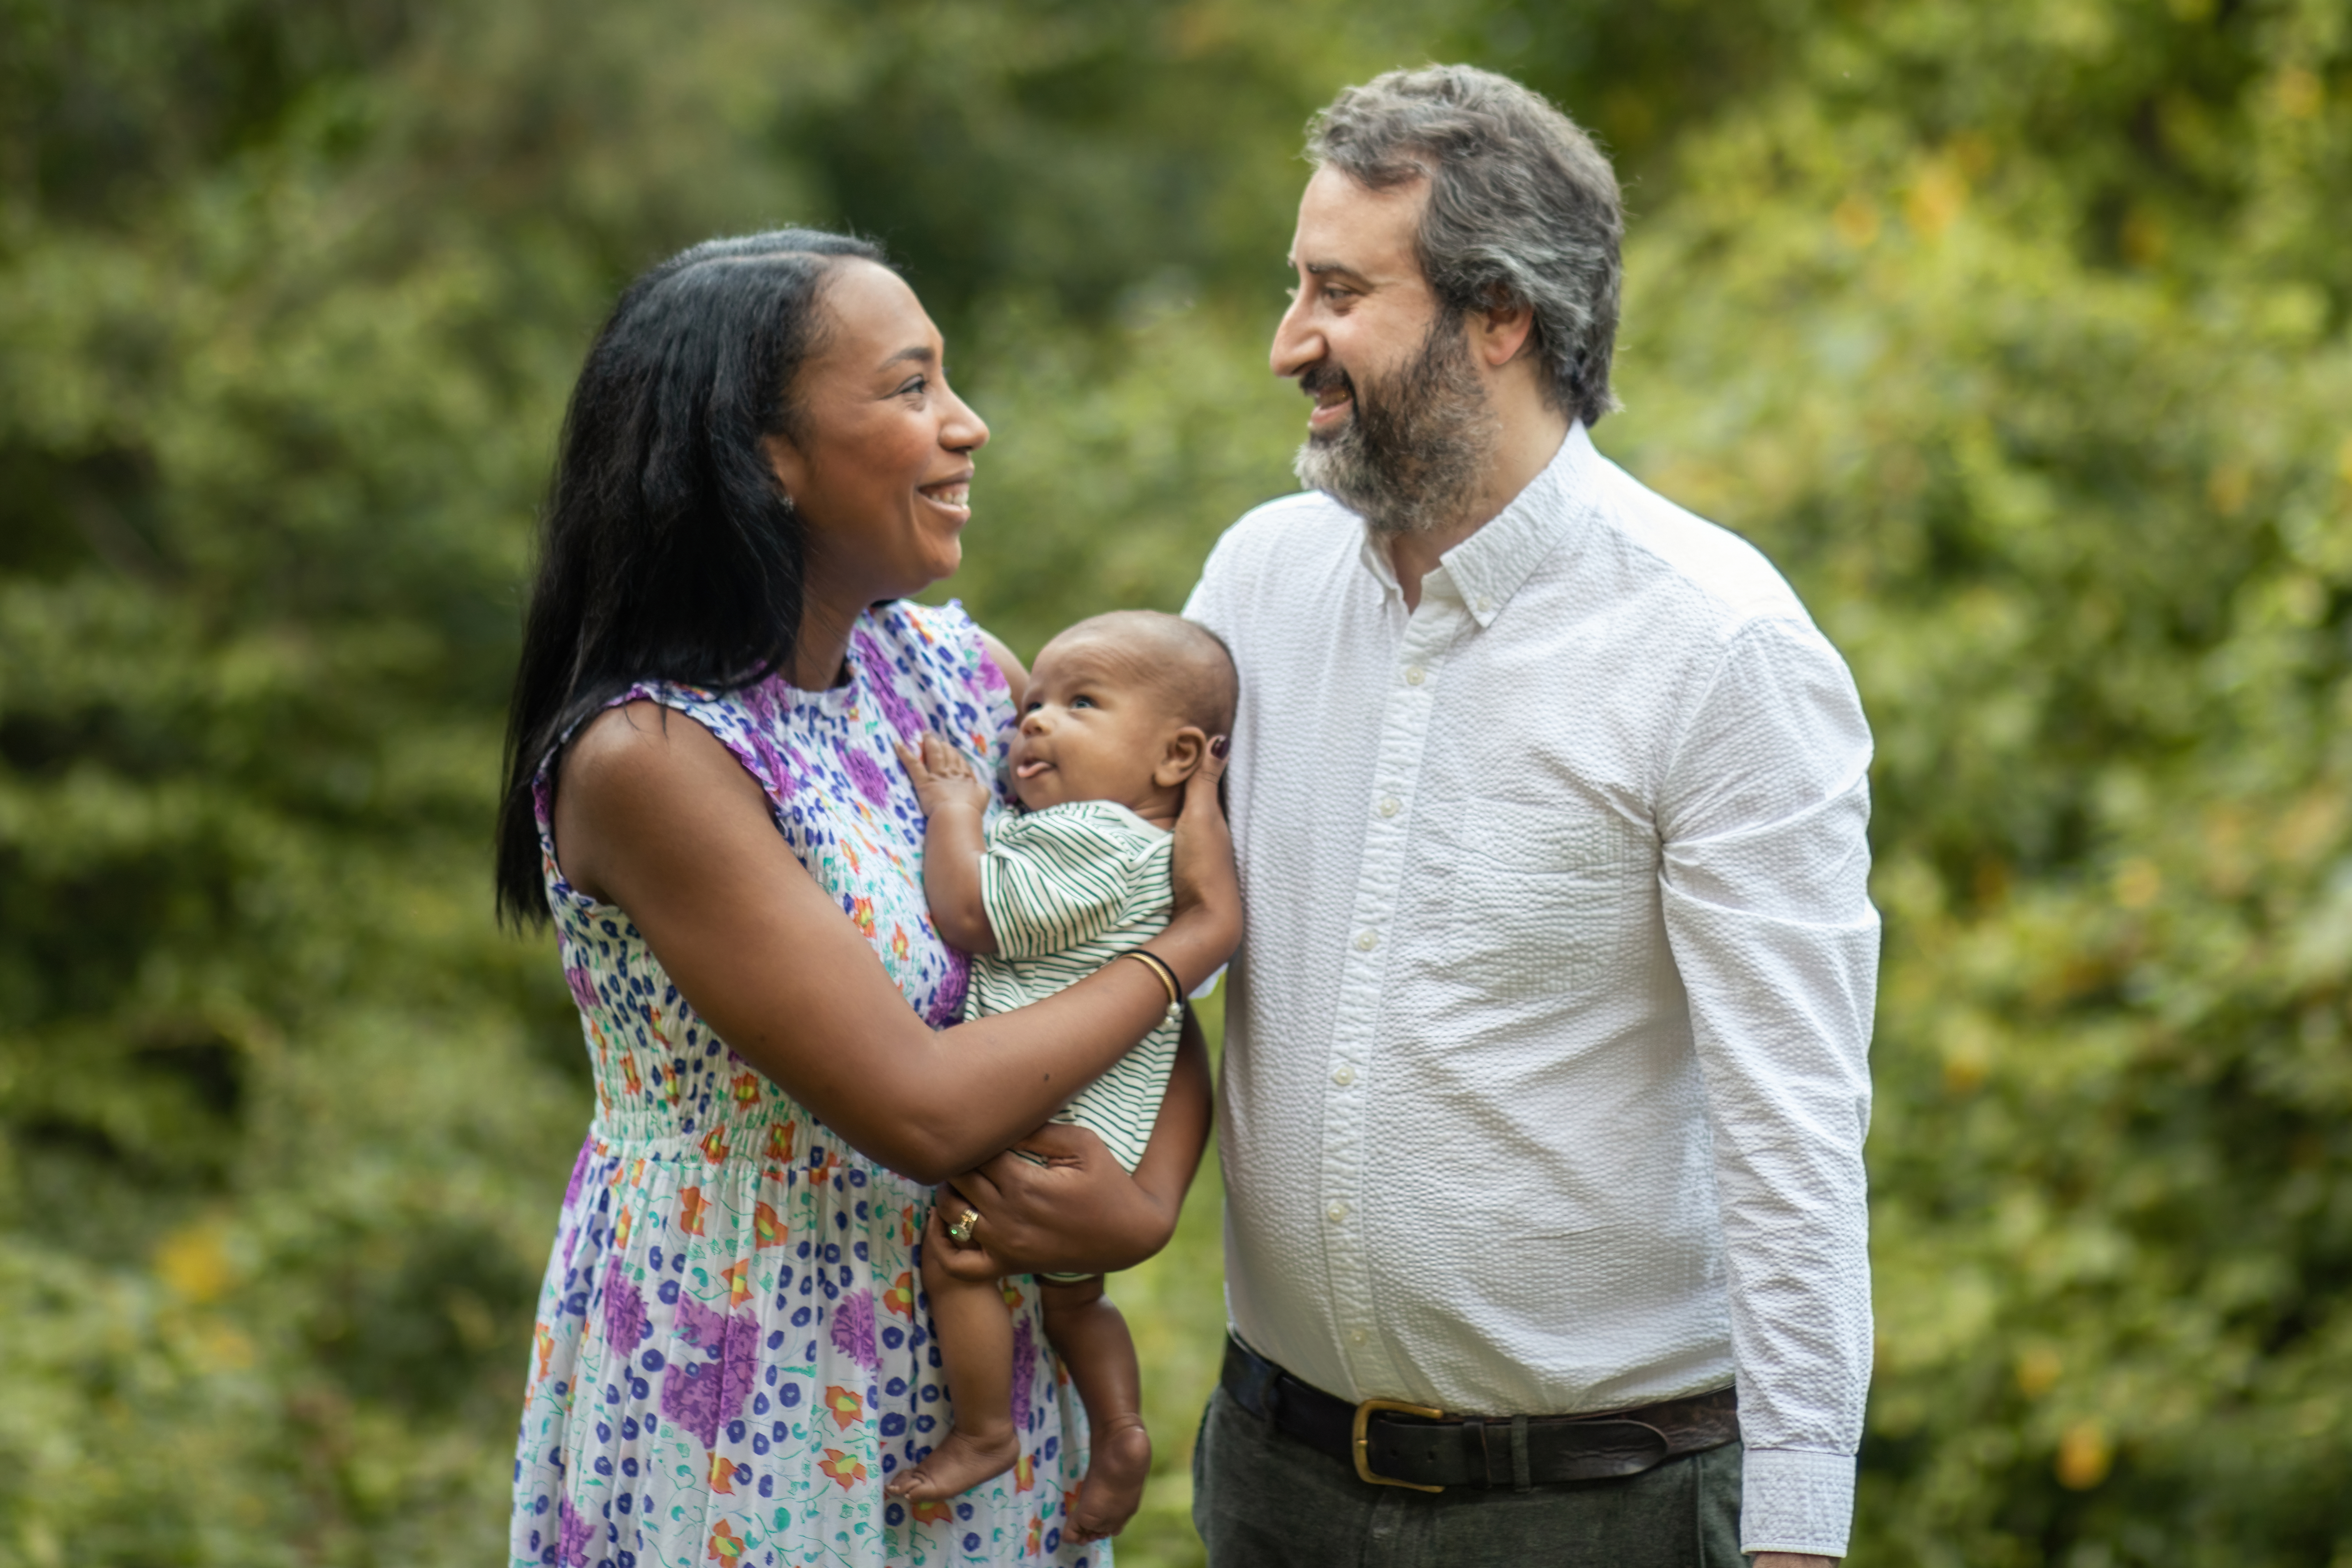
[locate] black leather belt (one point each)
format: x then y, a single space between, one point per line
1394 1444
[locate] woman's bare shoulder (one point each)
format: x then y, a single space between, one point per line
643 743
636 766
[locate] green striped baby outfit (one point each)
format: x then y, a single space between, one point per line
1067 889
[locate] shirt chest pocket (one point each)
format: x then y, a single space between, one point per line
1548 898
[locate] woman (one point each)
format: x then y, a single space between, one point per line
762 459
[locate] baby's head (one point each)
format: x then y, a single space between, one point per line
1122 708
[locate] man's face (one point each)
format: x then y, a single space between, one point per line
1401 430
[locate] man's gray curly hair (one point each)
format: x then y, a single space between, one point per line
1523 208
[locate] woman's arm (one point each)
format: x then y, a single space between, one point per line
652 814
1015 673
1081 1213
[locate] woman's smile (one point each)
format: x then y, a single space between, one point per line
951 498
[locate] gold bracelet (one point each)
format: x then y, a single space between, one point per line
1159 966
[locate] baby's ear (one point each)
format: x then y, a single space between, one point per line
1182 757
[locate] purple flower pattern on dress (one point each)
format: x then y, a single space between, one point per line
626 1323
867 774
706 1394
853 1329
895 708
578 1174
574 1531
709 1333
1024 1370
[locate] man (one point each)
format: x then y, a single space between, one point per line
1545 1082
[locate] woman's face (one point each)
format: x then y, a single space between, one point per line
881 467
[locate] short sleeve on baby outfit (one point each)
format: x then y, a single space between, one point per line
1054 880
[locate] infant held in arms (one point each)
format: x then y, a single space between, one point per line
1119 714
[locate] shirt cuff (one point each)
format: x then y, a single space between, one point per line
1793 1500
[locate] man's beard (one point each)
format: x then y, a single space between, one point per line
1415 448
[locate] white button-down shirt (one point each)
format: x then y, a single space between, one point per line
1545 1078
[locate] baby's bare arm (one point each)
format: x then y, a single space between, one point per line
955 800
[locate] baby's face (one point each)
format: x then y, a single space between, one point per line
1089 729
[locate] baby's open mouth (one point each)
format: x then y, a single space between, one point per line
1031 768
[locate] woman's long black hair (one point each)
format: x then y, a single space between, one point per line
668 549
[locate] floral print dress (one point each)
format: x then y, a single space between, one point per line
733 1349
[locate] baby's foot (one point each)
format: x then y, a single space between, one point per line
1116 1467
957 1465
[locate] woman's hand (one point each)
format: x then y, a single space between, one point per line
1077 1213
1207 924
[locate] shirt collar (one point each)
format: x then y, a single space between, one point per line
1495 562
1485 569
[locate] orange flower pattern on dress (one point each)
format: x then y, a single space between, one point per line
844 1471
731 1377
844 1407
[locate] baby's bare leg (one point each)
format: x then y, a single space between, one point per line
975 1340
1091 1338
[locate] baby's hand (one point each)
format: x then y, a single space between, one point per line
943 777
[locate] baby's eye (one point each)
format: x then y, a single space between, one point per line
1082 701
1035 704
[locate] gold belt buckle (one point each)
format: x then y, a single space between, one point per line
1363 1443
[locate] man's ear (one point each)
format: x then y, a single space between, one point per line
1182 757
1500 332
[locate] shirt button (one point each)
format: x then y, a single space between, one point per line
1336 1213
1343 1074
1357 1336
1366 939
1390 805
1485 605
1414 675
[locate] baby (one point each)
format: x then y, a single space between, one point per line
1117 716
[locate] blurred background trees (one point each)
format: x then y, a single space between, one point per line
2016 331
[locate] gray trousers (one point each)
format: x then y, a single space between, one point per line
1261 1500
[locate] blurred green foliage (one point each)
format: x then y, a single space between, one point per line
2015 330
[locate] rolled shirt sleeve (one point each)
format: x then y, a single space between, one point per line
1764 873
